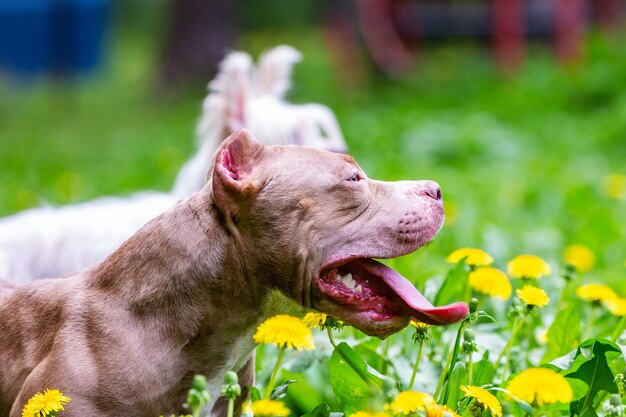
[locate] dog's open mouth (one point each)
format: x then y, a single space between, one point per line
378 300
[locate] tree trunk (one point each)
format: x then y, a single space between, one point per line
198 34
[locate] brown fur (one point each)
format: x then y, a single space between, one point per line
185 293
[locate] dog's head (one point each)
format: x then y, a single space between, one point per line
309 223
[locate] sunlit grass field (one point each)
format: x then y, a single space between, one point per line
529 162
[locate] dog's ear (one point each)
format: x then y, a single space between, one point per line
233 176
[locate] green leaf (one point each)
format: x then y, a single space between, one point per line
564 332
281 390
322 410
349 388
587 412
483 371
568 360
304 395
358 364
255 394
367 351
589 363
353 381
445 376
454 285
458 377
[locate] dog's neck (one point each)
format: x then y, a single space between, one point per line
183 276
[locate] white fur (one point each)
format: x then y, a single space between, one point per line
51 241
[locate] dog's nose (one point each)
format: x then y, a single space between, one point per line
432 190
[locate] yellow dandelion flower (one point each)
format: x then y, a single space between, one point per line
437 410
369 414
473 256
285 331
484 397
314 320
490 281
419 325
595 292
533 296
408 402
528 267
421 331
614 186
617 306
579 256
269 408
541 386
44 404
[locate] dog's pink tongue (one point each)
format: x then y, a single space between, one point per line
420 308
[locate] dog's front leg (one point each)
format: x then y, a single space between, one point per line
246 379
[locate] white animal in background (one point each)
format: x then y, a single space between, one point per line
52 241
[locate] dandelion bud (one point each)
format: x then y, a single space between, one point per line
199 383
231 388
615 400
569 272
473 305
614 407
231 378
198 395
469 345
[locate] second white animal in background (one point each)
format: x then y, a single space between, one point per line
52 241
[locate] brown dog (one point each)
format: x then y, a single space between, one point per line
184 295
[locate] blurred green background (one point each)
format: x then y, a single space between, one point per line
522 157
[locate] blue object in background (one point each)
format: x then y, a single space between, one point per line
25 35
64 37
78 34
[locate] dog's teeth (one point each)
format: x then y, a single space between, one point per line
346 280
358 289
350 283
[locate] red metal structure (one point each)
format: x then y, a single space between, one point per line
387 25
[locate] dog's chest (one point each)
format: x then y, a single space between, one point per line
239 352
